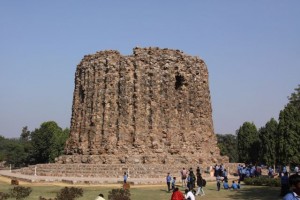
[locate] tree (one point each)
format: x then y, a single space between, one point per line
48 142
289 135
25 135
268 140
248 143
228 146
295 97
12 151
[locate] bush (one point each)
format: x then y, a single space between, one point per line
20 192
3 196
119 194
69 193
275 182
43 198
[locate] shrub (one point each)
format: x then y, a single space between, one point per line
119 194
262 181
69 193
43 198
20 192
3 196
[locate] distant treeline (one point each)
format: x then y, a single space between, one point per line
276 143
42 145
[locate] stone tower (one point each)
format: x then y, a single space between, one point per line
150 107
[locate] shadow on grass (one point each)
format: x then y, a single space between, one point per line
256 192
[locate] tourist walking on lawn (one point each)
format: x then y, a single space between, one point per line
200 185
192 180
168 179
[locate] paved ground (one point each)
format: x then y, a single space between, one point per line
83 180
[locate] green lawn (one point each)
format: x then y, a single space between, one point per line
148 192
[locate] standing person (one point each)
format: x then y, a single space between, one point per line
270 172
198 171
173 183
200 185
177 195
189 195
168 179
296 169
258 170
100 197
125 177
218 182
294 181
192 180
284 181
183 173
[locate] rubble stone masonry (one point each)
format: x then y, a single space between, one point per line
152 107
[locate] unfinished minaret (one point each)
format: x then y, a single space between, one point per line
150 107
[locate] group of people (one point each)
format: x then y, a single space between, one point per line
189 181
248 171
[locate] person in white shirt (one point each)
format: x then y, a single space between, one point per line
100 197
189 195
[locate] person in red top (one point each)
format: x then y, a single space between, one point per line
177 195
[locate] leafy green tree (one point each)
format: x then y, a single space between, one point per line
289 135
295 97
228 146
48 142
248 143
288 145
12 151
25 135
268 140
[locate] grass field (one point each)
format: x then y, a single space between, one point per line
146 192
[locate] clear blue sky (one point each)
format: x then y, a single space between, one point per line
251 48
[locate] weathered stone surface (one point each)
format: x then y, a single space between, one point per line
150 107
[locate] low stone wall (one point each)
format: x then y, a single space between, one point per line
116 170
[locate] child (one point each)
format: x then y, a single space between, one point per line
225 185
234 185
239 185
125 177
173 183
218 182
